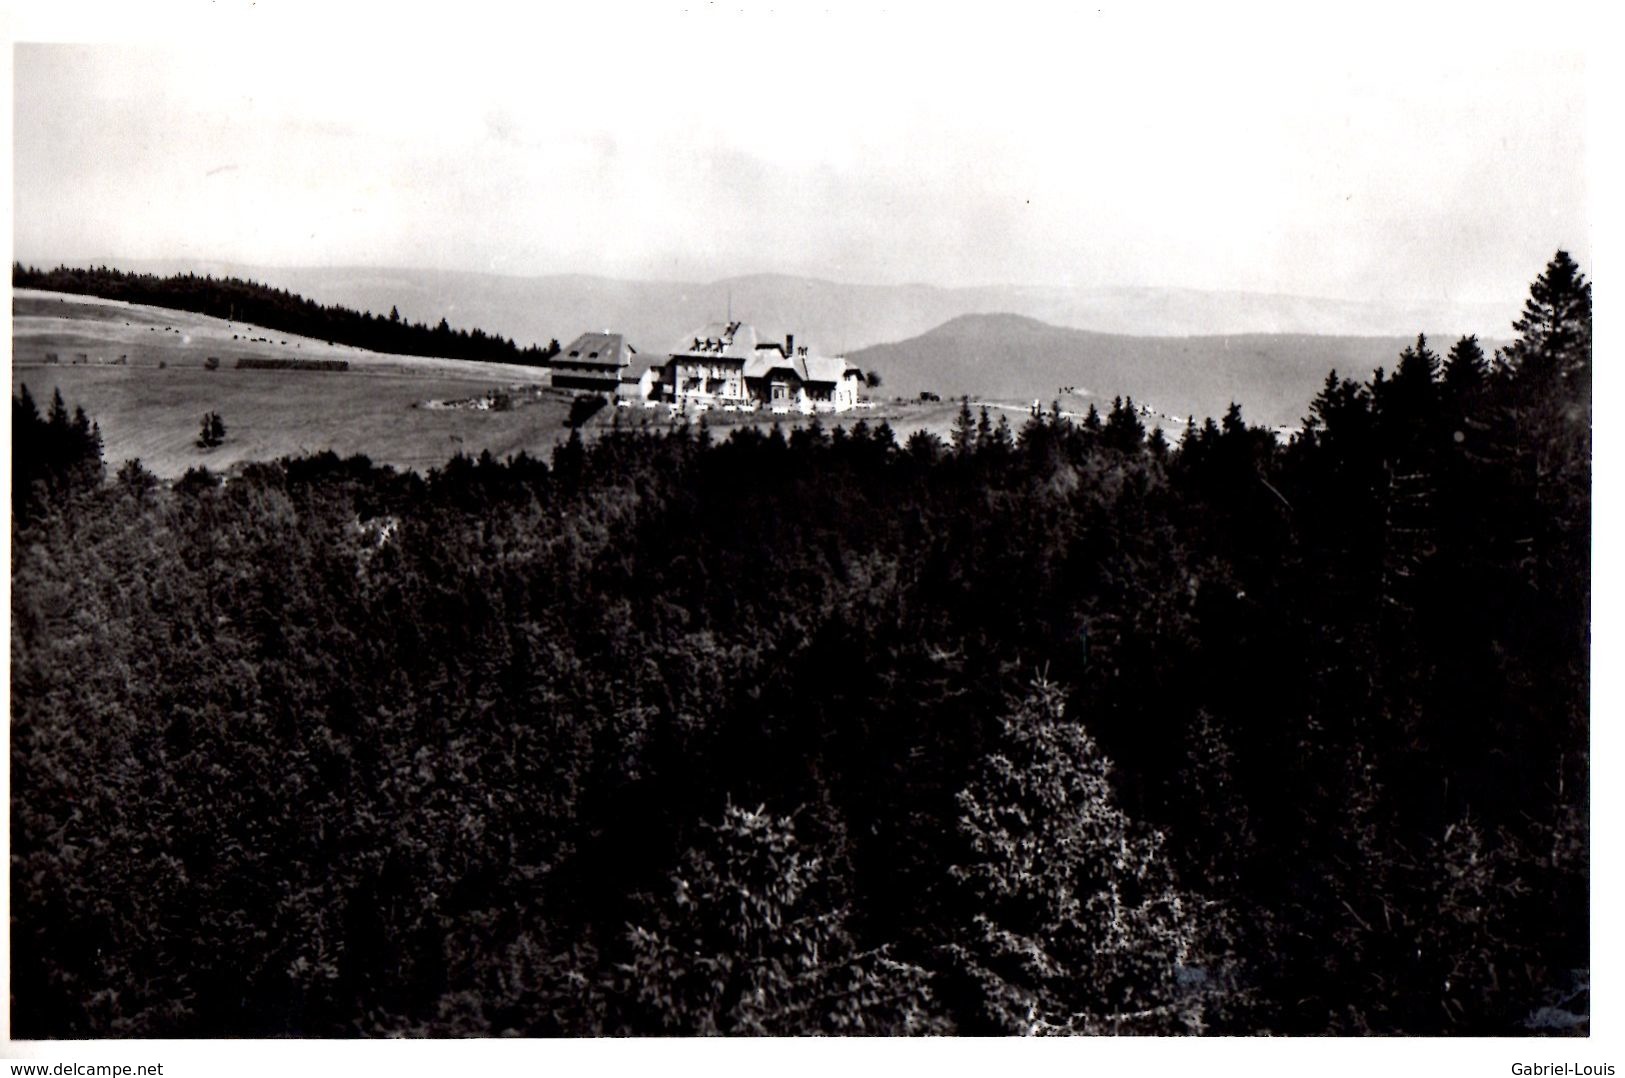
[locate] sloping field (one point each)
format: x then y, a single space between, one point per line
151 402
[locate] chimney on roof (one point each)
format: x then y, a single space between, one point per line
789 344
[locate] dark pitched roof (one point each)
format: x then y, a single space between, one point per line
597 349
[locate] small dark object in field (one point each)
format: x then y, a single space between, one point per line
213 432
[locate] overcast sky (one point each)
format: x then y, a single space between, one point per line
1383 153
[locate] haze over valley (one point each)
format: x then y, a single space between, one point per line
656 314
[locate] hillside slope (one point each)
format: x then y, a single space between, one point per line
1273 376
143 374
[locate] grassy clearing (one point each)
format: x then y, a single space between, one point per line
154 414
150 407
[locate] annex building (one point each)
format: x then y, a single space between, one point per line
601 363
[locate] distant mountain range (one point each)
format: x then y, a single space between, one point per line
1273 376
833 317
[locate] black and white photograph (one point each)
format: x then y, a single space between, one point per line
566 534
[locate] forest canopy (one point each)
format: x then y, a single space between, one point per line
1056 729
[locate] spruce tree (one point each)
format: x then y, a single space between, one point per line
1465 369
1081 926
964 428
1123 427
751 942
1554 333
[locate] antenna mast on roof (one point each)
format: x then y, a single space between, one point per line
730 305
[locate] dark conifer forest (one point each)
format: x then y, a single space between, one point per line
1061 728
277 308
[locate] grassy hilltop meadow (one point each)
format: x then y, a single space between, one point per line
149 404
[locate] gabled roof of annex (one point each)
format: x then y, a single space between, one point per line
597 349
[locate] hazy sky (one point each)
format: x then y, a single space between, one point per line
1381 153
